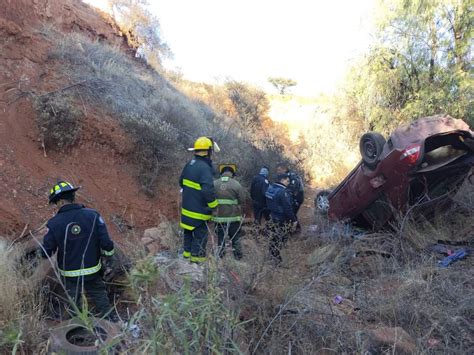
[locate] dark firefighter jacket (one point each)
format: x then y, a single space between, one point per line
80 237
257 190
199 196
296 188
230 197
280 203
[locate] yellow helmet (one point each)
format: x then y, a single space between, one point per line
204 143
228 167
59 189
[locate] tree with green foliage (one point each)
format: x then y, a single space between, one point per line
281 84
420 65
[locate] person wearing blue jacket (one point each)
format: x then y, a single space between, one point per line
80 238
282 216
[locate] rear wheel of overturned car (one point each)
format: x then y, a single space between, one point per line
321 202
371 146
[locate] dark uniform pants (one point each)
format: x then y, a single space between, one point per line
195 242
231 230
260 211
296 207
95 290
278 233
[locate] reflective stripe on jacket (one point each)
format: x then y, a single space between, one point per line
80 237
230 196
199 197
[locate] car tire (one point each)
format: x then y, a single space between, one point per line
60 343
371 146
321 202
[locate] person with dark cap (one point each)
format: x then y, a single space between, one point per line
295 187
80 237
198 199
228 216
258 188
283 220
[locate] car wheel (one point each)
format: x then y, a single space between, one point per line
321 202
371 146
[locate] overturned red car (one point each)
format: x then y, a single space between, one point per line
421 164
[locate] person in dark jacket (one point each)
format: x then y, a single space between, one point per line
198 199
79 236
282 216
258 188
295 187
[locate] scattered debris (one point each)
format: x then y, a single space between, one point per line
134 330
338 299
458 255
441 249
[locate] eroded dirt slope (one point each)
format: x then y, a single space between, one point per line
101 160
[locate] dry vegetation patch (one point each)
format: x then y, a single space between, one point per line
161 119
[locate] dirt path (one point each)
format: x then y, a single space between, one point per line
306 213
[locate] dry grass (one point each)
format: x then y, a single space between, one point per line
161 119
21 305
385 279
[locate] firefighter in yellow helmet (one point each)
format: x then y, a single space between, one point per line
228 218
79 236
198 199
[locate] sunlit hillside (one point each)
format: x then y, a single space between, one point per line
298 113
327 152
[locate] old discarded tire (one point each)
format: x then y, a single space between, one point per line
321 202
72 338
371 146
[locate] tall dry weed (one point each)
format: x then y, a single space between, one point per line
21 304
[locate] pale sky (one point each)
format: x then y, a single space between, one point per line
310 41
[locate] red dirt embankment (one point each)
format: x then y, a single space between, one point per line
101 160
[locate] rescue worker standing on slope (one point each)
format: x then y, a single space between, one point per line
295 187
282 217
258 188
198 199
80 237
228 217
